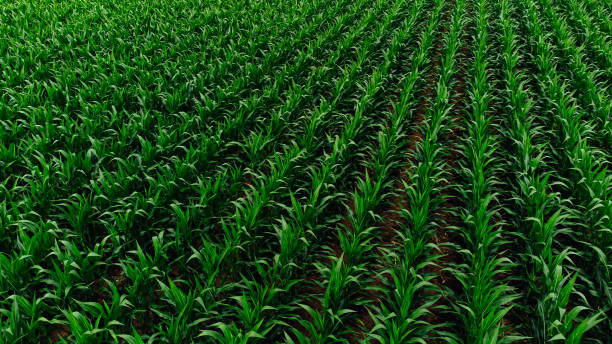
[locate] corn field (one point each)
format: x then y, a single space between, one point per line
267 171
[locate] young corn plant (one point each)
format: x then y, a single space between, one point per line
24 321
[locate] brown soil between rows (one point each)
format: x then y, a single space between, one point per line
387 229
444 235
